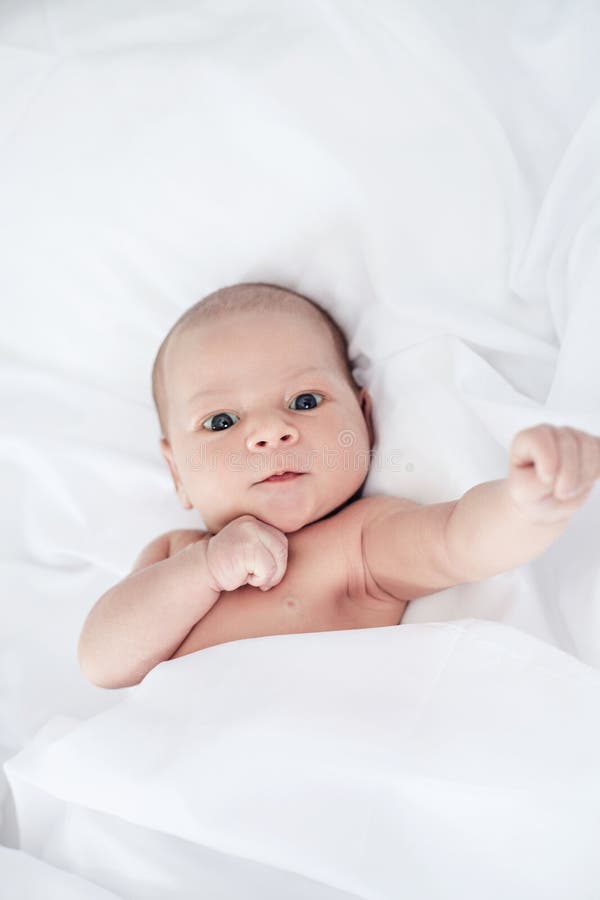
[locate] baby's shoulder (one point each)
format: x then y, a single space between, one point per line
342 532
181 537
366 509
166 545
351 525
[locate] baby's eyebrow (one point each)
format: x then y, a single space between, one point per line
296 374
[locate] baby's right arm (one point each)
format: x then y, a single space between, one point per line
145 618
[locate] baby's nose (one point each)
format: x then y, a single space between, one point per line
270 436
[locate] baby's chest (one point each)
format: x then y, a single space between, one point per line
310 597
312 594
322 590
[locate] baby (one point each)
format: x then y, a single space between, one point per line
269 437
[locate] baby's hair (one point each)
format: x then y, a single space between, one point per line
247 296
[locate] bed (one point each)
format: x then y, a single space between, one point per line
429 173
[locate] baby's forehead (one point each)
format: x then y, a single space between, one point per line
214 335
296 320
194 352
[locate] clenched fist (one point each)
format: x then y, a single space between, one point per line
552 471
247 551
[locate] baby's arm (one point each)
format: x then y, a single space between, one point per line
143 619
411 550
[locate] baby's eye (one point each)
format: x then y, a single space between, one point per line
306 401
220 421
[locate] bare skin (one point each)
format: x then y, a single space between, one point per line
293 555
321 590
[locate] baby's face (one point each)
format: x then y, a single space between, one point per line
258 393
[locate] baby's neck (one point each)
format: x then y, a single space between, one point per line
355 496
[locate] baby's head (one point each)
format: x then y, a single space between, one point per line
255 380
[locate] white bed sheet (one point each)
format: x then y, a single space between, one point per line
428 171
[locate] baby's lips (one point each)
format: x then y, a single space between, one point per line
281 470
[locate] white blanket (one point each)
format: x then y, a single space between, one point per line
377 762
428 171
30 879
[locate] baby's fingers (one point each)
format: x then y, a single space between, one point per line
580 463
568 481
526 487
262 567
590 458
536 449
271 553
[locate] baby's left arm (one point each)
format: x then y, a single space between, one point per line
502 524
411 550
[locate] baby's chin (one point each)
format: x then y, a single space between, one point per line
214 526
292 522
288 513
288 521
288 525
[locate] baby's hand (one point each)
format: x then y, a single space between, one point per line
247 551
552 471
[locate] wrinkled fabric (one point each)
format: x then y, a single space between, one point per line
364 762
427 172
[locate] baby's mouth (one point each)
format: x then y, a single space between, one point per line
281 476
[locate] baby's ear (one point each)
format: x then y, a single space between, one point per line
366 404
165 449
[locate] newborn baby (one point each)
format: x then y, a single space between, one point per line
269 437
